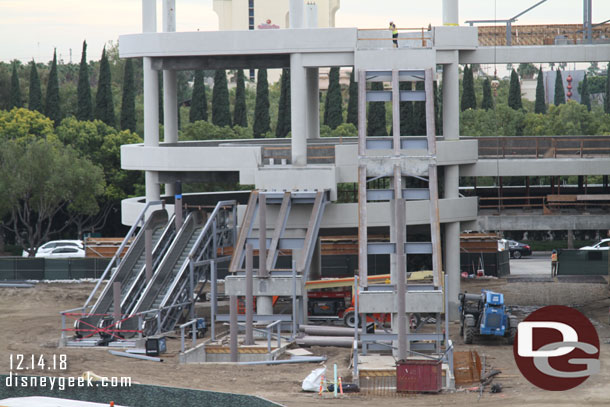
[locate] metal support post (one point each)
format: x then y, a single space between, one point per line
249 297
399 221
214 305
233 327
192 298
178 204
294 299
116 291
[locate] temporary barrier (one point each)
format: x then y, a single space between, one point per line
24 268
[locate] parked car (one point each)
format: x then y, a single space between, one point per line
48 247
518 250
602 245
63 252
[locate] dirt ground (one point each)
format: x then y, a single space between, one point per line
30 324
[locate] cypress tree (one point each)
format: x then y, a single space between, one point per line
84 109
52 109
261 108
221 113
199 103
585 98
284 118
560 95
607 98
488 102
406 113
438 109
469 100
128 104
333 111
15 97
35 96
104 106
419 113
239 113
540 106
376 123
352 105
160 87
514 92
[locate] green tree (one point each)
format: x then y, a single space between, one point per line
419 113
52 109
15 99
284 118
488 101
560 95
39 180
128 103
221 113
199 103
352 105
540 106
526 71
333 111
469 100
104 105
585 98
240 117
35 96
376 121
607 97
261 110
406 113
84 108
514 93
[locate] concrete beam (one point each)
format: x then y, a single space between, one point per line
386 301
536 54
262 286
254 42
560 221
536 167
190 63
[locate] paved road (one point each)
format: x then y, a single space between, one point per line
538 263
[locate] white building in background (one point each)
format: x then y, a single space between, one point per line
269 14
272 14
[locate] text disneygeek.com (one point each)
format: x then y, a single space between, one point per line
61 383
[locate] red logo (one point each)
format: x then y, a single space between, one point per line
556 348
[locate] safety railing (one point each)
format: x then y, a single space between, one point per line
548 202
375 38
544 147
194 329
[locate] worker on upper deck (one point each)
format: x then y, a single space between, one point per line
394 33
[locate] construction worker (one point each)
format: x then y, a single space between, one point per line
394 33
553 263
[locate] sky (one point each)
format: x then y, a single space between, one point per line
33 28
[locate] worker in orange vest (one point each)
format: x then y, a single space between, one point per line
553 263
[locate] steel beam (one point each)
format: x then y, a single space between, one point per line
280 226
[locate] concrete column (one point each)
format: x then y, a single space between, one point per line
170 94
298 94
296 13
450 12
149 16
570 239
152 186
313 102
451 130
264 304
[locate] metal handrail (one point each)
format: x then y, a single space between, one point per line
116 257
192 322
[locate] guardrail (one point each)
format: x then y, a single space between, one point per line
544 147
420 37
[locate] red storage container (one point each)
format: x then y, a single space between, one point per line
419 376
